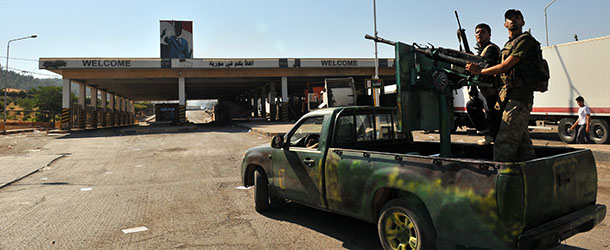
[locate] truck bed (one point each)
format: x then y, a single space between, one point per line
496 199
459 150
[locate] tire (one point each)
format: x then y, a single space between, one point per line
599 131
566 135
261 192
396 215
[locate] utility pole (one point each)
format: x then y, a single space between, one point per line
375 91
6 78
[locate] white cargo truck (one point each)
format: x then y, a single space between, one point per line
577 69
338 92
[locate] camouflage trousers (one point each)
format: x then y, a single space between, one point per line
513 141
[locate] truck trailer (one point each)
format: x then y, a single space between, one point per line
576 69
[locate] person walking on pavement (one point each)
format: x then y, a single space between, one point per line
583 122
519 59
487 123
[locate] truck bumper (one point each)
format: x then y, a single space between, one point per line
553 232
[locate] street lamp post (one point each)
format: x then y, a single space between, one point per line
6 78
546 26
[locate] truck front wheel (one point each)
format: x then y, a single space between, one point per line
565 134
599 131
405 226
261 192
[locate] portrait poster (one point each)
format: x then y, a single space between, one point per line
176 39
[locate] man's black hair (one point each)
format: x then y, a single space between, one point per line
580 99
483 26
513 12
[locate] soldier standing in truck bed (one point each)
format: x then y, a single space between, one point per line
517 95
487 123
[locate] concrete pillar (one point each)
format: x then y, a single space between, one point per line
103 108
284 114
117 110
65 104
122 110
181 100
284 89
255 94
272 107
263 102
111 120
94 114
82 97
252 104
132 111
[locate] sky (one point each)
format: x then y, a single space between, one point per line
272 28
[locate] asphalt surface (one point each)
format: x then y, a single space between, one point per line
183 187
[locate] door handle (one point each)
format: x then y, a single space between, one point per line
308 162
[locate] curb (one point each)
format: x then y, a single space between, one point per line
32 172
257 131
17 131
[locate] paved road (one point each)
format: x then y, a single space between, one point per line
181 186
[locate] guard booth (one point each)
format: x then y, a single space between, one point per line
167 112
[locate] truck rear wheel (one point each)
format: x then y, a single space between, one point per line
403 225
599 131
564 132
261 192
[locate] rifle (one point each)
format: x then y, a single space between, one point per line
461 34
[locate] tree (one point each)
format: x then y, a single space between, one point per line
48 98
25 103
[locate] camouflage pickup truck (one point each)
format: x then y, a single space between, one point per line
352 161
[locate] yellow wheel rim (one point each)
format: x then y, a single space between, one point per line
400 231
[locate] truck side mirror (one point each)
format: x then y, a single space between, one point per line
277 141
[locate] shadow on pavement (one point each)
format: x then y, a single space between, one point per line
545 136
355 234
148 130
567 247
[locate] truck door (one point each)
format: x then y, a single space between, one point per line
348 168
297 168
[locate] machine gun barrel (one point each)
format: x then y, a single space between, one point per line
454 57
379 39
448 55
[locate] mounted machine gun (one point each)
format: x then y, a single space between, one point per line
425 79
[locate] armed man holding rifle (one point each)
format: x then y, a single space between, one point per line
518 61
485 125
